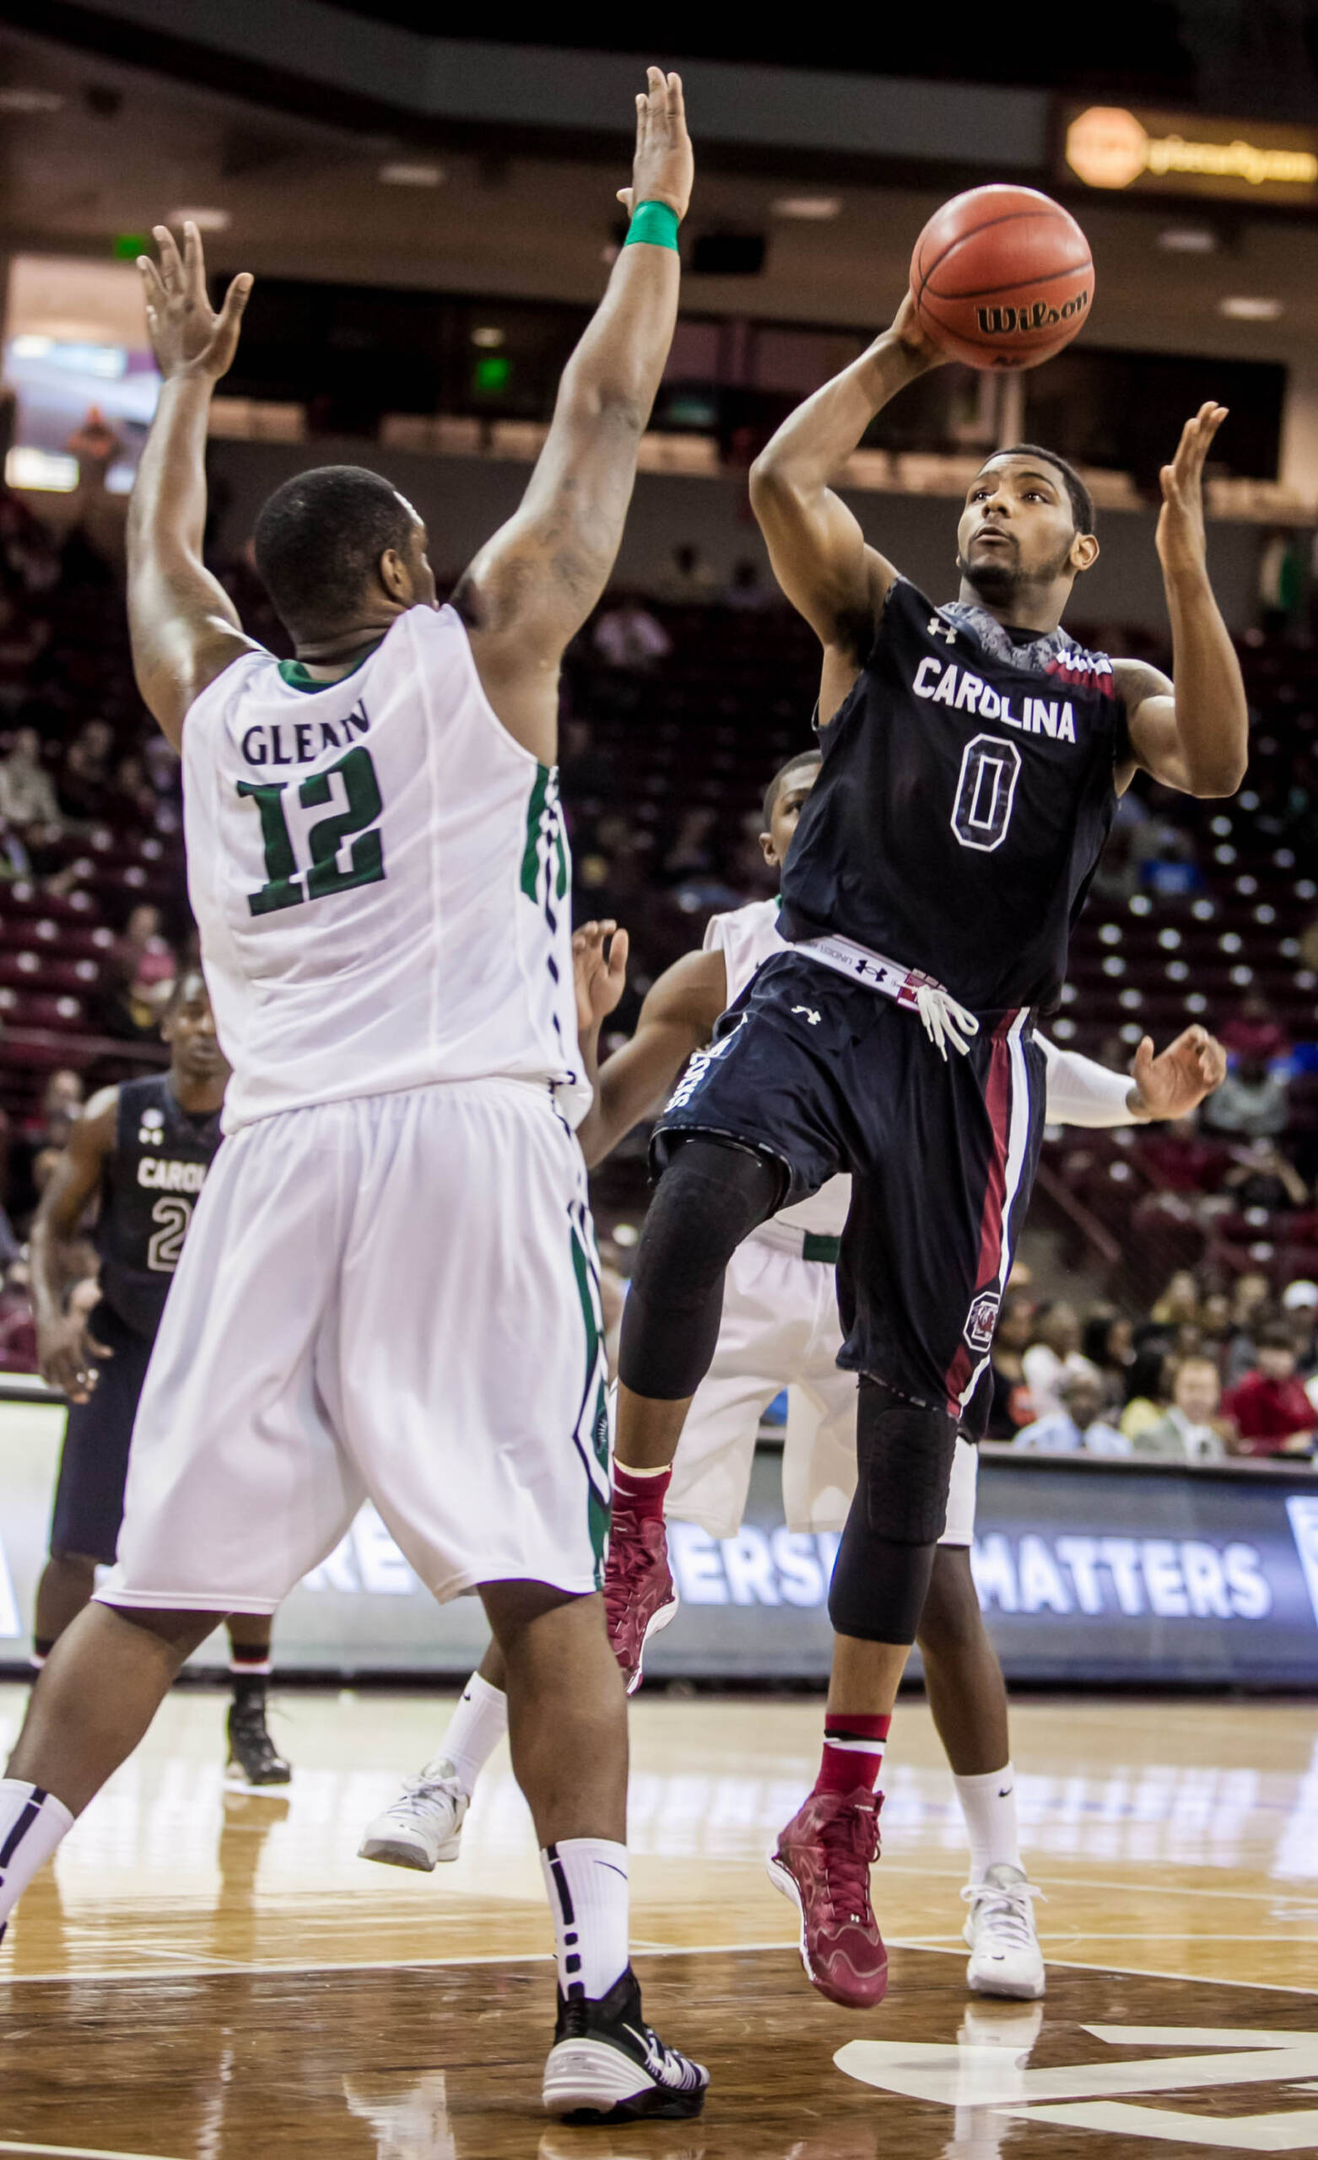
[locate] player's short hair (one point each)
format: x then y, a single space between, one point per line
178 989
775 787
1082 502
319 538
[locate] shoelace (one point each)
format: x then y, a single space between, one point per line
944 1020
423 1792
851 1846
1009 1911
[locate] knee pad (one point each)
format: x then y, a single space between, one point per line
904 1456
711 1195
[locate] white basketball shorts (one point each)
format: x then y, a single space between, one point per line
395 1297
780 1329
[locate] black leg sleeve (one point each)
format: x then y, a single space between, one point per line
711 1195
904 1456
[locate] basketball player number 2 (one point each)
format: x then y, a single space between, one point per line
985 792
285 884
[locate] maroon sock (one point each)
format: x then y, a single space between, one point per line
853 1753
638 1497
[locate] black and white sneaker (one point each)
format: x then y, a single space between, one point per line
607 2065
255 1763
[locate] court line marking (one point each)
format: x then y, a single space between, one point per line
546 1957
76 2152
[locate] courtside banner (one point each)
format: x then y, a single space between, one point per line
1088 1572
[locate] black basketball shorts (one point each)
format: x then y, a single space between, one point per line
828 1075
89 1498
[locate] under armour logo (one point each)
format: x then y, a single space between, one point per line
939 628
811 1016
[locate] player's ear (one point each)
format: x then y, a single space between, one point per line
767 850
395 574
1084 551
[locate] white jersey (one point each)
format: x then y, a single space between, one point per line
381 880
747 938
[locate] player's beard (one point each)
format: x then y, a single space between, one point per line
999 584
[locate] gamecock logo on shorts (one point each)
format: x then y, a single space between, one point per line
983 1319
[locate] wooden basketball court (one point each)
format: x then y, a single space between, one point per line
210 1976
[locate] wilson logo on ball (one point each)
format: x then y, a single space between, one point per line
1003 321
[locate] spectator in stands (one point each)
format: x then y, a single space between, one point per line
1192 1431
1011 1406
690 581
1250 1309
133 802
136 979
1179 1302
85 782
1178 1157
1053 1354
1262 1177
1250 1104
1077 1426
1108 1343
1255 1031
1299 1305
629 638
747 593
27 792
1215 1322
18 1328
1269 1407
1148 1389
61 1102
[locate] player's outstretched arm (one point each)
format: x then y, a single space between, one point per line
677 1018
1168 1085
64 1357
185 629
1191 733
532 586
816 546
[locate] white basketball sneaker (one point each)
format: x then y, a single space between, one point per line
424 1824
1005 1958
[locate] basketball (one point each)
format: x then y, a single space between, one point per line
1002 277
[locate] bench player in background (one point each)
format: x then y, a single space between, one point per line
780 1328
973 756
389 1288
140 1154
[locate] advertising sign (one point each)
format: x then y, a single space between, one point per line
1088 1572
1141 152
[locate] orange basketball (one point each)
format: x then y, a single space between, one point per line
1002 277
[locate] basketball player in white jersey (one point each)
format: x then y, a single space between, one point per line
390 1285
780 1328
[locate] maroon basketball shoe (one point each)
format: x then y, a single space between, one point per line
640 1596
822 1863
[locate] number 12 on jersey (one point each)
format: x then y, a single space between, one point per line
286 885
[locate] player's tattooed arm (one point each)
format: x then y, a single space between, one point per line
184 627
1191 733
531 587
64 1352
819 553
677 1018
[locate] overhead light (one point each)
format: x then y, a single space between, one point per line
399 173
1243 307
204 220
14 99
1188 240
814 208
488 337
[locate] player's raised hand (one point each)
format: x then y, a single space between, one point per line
187 336
1180 536
907 329
664 167
599 980
1174 1083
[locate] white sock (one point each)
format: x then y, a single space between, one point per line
988 1803
32 1822
586 1879
475 1730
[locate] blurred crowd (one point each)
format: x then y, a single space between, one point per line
1210 1373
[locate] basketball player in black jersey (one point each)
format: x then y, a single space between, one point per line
972 760
140 1153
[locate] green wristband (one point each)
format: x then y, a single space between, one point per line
654 222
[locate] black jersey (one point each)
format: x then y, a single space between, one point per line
966 792
149 1186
